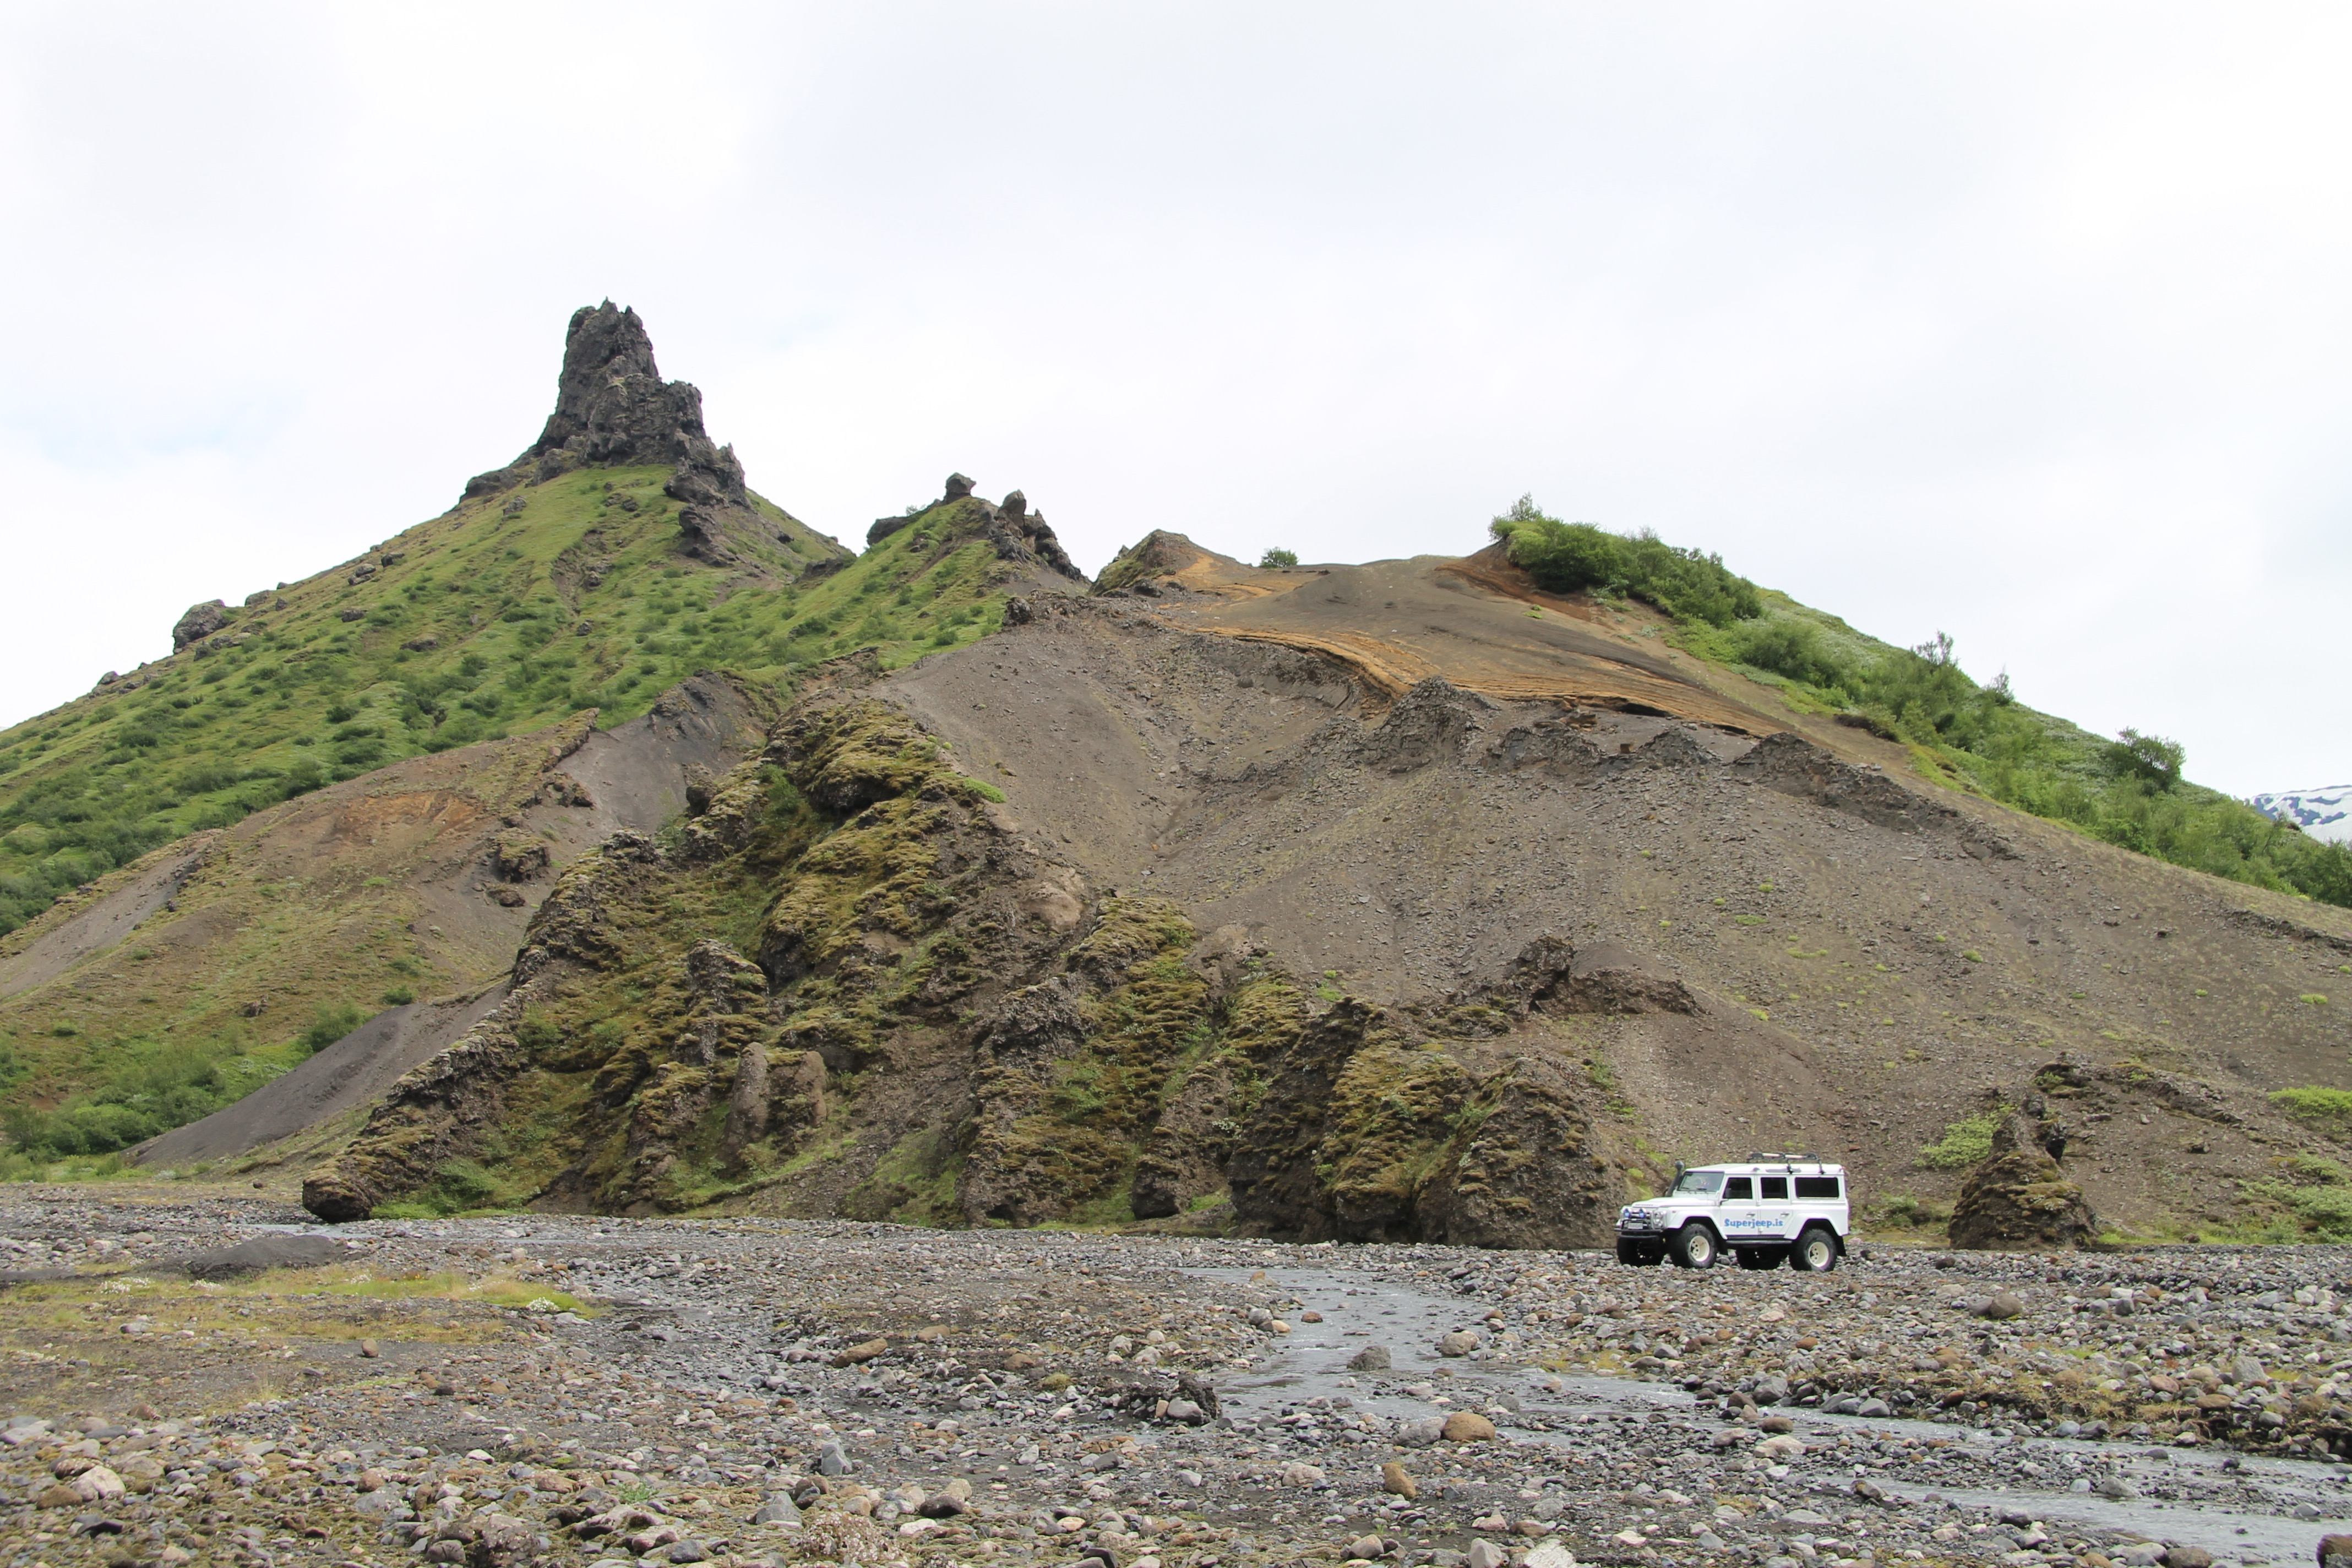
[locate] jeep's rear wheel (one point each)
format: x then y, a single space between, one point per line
1816 1251
1694 1246
1762 1257
1641 1254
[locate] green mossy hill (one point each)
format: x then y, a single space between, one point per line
2129 791
645 1064
853 986
503 616
123 1046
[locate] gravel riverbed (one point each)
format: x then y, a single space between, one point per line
567 1389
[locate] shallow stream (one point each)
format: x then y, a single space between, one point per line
1361 1310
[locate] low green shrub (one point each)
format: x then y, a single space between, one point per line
153 1089
1965 1142
1572 557
2328 1107
331 1022
1915 1213
2315 1196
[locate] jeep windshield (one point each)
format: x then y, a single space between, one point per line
1700 1183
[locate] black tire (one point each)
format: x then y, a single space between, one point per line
1763 1257
1816 1251
1641 1254
1694 1246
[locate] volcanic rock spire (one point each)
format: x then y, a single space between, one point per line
612 407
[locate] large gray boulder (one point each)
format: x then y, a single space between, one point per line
201 622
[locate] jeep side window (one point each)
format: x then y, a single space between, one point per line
1817 1186
1776 1188
1738 1188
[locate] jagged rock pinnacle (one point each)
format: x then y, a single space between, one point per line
611 402
612 407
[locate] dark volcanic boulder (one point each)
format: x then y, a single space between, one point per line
2020 1199
1551 975
266 1252
1429 723
201 622
1794 765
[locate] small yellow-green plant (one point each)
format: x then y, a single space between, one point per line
1965 1142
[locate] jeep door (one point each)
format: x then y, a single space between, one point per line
1773 1211
1737 1216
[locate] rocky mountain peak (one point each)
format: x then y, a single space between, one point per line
611 402
612 407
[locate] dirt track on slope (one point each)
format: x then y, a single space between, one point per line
94 927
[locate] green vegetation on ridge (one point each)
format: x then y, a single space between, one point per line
1576 557
500 590
499 618
2129 791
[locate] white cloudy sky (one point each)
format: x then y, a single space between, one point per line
2026 322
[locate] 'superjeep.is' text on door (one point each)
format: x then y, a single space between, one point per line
1767 1210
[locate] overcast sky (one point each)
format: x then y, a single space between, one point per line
2029 323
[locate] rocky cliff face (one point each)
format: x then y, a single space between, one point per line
613 408
1016 533
854 985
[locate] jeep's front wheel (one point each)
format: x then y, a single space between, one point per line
1816 1251
1694 1246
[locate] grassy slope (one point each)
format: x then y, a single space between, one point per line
308 697
317 929
1979 739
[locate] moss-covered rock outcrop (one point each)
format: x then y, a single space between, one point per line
851 984
2019 1198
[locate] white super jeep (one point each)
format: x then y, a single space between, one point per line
1768 1209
